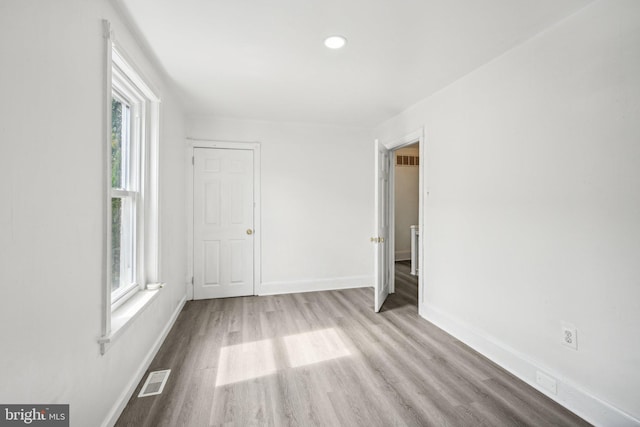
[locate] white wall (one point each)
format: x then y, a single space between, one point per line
317 201
51 210
406 192
533 211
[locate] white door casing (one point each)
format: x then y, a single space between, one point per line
223 223
381 247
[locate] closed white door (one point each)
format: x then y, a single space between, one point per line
223 226
381 251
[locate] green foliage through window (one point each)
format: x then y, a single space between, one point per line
116 143
116 233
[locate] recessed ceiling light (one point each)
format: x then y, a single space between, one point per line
335 42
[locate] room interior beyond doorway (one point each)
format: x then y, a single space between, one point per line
406 198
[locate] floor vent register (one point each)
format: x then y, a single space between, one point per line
155 383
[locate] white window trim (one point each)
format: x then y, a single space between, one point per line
122 77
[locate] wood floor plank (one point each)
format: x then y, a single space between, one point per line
326 359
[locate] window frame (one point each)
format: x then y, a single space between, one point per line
123 82
131 188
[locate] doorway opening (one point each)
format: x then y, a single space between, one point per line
405 211
391 160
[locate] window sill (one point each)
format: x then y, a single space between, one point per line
124 315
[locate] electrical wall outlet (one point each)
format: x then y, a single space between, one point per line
569 336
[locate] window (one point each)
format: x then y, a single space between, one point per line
407 160
132 228
125 193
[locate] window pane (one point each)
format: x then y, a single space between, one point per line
116 143
116 238
127 251
120 144
122 242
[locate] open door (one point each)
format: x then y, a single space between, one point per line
381 251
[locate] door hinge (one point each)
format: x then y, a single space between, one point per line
193 160
192 280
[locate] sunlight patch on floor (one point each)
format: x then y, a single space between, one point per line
315 346
245 361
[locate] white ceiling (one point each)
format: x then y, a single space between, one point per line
259 59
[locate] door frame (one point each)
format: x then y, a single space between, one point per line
192 144
417 136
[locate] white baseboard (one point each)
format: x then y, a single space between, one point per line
121 403
313 285
579 401
403 255
188 286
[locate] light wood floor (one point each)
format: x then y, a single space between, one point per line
325 359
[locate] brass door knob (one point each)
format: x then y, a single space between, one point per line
249 231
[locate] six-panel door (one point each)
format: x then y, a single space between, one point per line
223 223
